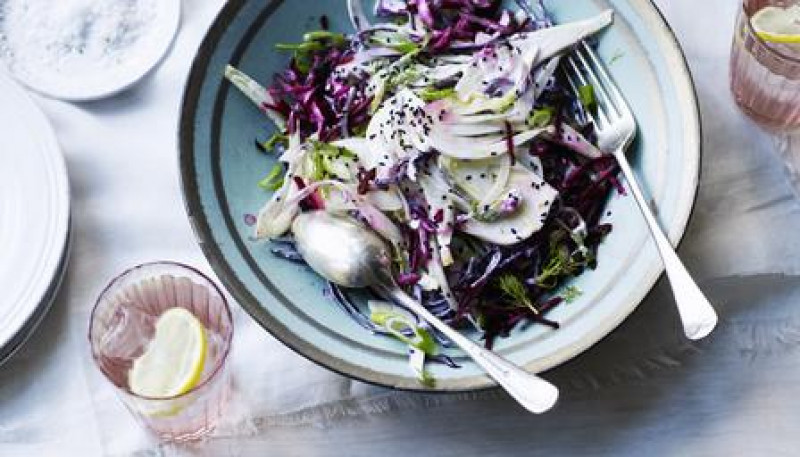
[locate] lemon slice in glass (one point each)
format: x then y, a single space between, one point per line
778 25
173 362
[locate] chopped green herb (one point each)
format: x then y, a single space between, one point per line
504 103
514 289
308 46
618 55
431 94
397 42
312 42
323 35
586 97
303 62
331 150
571 294
276 139
360 130
560 262
400 326
426 378
416 361
405 77
481 321
324 161
380 91
319 172
274 179
401 72
541 117
406 47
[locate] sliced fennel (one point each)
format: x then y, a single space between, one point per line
256 93
402 325
537 197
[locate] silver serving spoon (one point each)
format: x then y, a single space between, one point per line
346 253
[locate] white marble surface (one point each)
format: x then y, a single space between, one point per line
735 394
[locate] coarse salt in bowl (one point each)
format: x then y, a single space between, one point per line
85 49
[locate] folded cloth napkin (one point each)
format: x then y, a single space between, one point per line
127 209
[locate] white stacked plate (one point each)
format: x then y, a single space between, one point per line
34 216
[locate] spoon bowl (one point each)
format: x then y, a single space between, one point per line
346 253
339 249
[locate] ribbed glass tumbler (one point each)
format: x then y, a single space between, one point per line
765 76
123 325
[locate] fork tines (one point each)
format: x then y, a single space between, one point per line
582 68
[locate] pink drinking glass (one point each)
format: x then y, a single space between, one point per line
765 77
123 323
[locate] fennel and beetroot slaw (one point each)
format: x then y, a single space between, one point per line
449 130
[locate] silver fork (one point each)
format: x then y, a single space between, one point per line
616 128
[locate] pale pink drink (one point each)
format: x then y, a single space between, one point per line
765 77
122 325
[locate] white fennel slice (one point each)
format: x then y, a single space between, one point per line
537 199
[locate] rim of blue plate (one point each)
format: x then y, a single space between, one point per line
226 274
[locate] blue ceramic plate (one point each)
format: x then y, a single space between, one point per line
220 168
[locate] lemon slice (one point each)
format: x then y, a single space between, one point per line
778 25
173 362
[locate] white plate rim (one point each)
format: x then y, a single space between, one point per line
53 262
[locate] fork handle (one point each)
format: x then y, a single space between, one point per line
697 315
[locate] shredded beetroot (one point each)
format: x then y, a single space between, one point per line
510 142
366 178
311 203
408 279
438 217
317 100
451 20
